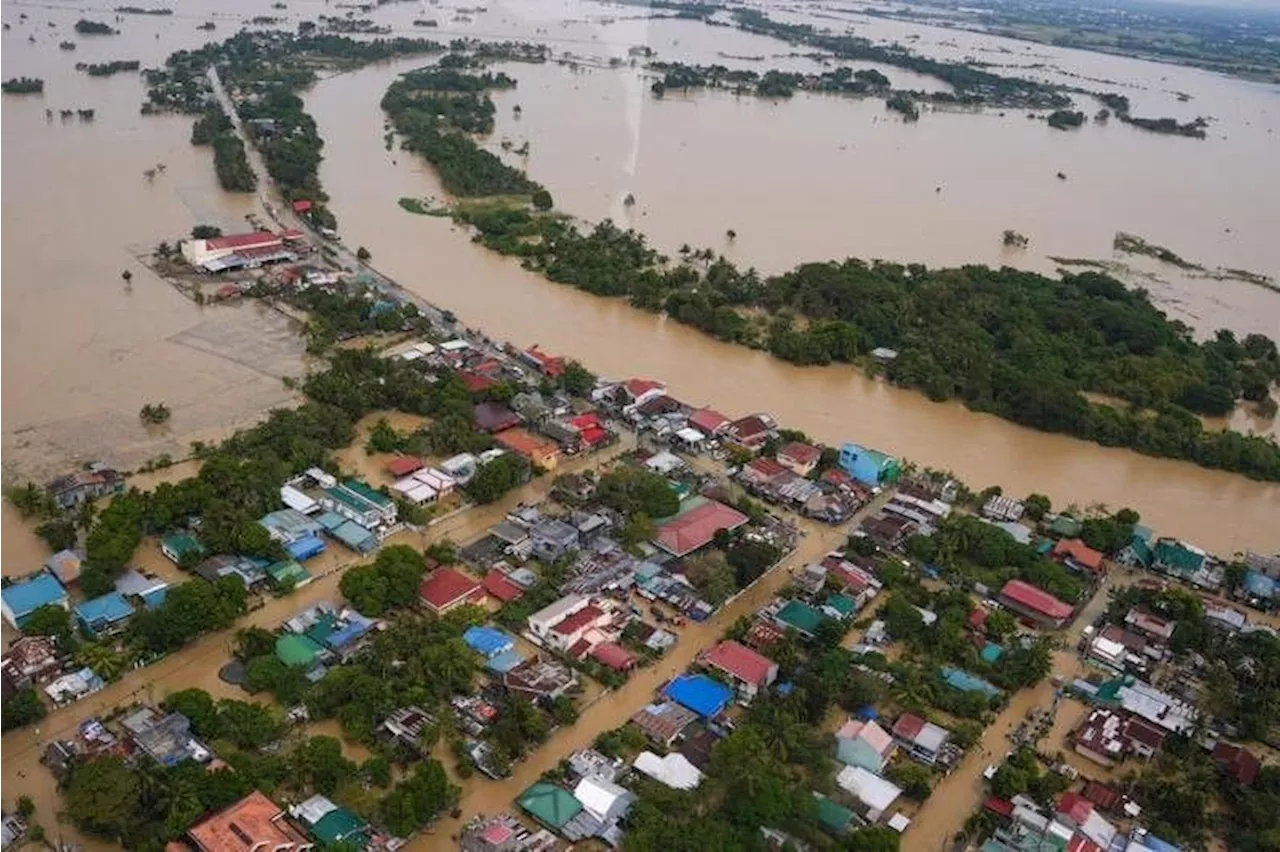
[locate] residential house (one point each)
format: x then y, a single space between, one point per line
870 467
1220 614
696 528
75 488
799 458
253 824
499 587
1186 562
699 693
708 421
405 727
799 616
750 432
28 660
888 530
874 795
166 739
1138 551
579 632
18 600
356 501
177 545
613 656
65 565
810 579
488 642
1035 603
1077 813
446 589
548 365
749 671
1151 626
503 833
403 466
290 525
1079 557
634 392
539 678
104 616
553 538
249 571
672 769
550 805
1239 763
329 824
1001 508
73 686
494 417
540 452
924 741
542 621
145 588
664 722
865 744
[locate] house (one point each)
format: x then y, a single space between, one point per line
697 527
550 805
292 524
446 589
708 421
542 621
553 538
810 579
1079 557
1001 508
503 833
637 391
966 682
923 740
540 679
1120 650
1171 556
604 800
177 545
1138 551
799 616
749 671
403 466
253 824
874 795
287 574
235 251
750 432
1106 798
613 656
570 634
73 686
356 501
339 634
487 641
699 693
299 651
870 467
28 660
493 417
1037 604
550 366
865 744
105 615
20 599
664 722
498 586
249 571
330 824
1101 738
673 769
1237 762
1222 615
539 451
799 458
76 488
65 565
1077 813
1153 627
145 588
166 739
405 727
833 817
591 433
359 538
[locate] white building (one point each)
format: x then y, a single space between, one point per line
541 622
875 794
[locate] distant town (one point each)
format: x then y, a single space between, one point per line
609 609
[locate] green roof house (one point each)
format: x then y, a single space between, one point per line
839 606
176 545
800 616
288 574
832 816
1173 557
297 651
550 805
1065 526
1138 550
338 825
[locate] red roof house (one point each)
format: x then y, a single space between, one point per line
696 528
301 206
1074 553
1036 603
752 671
494 417
1106 798
254 822
614 656
978 619
1080 843
403 466
475 382
550 366
799 457
1237 762
239 242
1076 807
637 388
998 806
497 585
751 431
708 421
447 589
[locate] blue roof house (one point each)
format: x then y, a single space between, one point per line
105 615
699 693
19 600
304 548
869 467
487 641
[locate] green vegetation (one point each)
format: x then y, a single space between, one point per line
205 232
87 27
1130 244
138 10
22 86
232 164
902 102
437 111
1065 119
767 84
390 582
22 708
107 69
423 207
630 490
498 477
153 413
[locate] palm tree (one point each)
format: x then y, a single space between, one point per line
85 515
104 661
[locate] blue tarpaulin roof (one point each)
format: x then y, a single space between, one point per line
991 652
487 641
29 595
305 548
357 625
699 693
1259 585
104 611
966 682
504 661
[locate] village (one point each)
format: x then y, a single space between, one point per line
601 540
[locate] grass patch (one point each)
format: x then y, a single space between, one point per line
423 207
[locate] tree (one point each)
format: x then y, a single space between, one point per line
363 254
26 807
914 779
206 232
376 770
59 533
153 413
249 725
1233 575
876 838
319 763
22 708
750 559
253 642
52 621
1037 506
711 574
577 379
542 199
103 796
631 490
390 582
497 477
1000 624
198 706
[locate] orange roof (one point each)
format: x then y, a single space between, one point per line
1080 552
254 822
521 441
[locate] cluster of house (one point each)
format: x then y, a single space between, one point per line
323 635
251 250
1077 823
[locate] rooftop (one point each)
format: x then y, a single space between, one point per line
801 616
741 662
445 587
252 823
26 596
699 693
663 721
697 527
1036 599
551 805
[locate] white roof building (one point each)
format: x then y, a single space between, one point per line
296 500
875 793
604 800
414 491
674 769
551 615
1157 707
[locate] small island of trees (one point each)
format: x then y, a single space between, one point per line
155 412
1065 119
23 86
107 69
84 26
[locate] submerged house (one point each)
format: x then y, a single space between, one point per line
870 467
